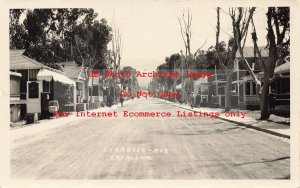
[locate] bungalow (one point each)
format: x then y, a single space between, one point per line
40 84
243 86
77 73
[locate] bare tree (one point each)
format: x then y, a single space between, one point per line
187 61
239 34
240 21
117 48
227 63
186 31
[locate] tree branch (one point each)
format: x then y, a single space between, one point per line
217 40
182 34
251 11
200 48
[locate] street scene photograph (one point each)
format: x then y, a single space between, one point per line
131 92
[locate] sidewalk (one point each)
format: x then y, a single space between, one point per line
47 124
276 125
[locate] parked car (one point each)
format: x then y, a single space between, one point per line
53 106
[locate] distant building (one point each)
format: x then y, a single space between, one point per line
216 88
96 91
243 93
201 91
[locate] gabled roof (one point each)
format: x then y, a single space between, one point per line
19 61
249 52
200 81
179 86
71 69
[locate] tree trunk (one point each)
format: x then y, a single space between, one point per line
268 73
269 69
264 98
229 74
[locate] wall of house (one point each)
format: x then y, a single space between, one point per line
15 112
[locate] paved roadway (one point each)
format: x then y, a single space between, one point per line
155 148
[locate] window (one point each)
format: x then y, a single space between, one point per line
32 74
254 88
79 86
23 81
285 83
14 86
78 92
221 90
95 91
234 76
234 89
33 90
241 93
248 88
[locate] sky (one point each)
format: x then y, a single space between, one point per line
151 31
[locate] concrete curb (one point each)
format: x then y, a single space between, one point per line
243 124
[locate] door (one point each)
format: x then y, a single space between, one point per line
45 98
34 97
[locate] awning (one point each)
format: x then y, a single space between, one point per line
15 74
48 75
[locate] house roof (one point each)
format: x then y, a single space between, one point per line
200 81
20 61
249 52
71 69
283 68
179 86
